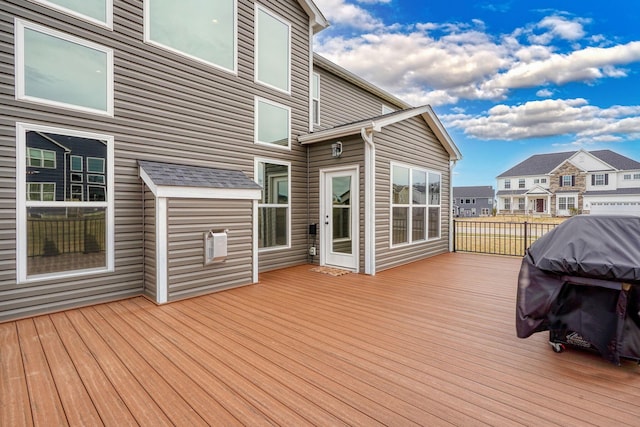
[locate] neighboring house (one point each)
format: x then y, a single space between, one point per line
474 201
156 154
563 184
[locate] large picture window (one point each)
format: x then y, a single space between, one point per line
273 50
62 70
59 233
273 124
202 30
274 206
415 205
96 11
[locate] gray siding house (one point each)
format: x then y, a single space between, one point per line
199 155
473 201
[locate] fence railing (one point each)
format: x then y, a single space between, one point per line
50 237
497 238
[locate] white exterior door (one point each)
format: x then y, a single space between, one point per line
339 218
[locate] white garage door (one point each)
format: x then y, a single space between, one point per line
615 208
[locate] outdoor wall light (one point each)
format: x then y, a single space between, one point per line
336 149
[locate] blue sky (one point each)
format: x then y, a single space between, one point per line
509 79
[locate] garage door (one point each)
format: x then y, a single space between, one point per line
615 208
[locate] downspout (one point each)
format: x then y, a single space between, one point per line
369 202
452 164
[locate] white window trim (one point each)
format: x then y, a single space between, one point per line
259 205
109 8
41 184
149 40
574 197
257 45
313 117
71 169
94 172
42 151
81 190
20 26
410 205
507 184
71 175
22 204
256 128
91 175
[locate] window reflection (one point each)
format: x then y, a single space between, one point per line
273 217
65 236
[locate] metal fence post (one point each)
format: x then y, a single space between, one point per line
454 235
524 250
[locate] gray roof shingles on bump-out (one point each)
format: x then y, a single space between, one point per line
169 174
541 164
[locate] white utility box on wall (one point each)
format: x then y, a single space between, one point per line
215 246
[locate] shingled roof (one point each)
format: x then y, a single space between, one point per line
541 164
477 191
168 174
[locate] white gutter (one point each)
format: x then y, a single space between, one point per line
369 201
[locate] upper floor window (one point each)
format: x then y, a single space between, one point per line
521 183
507 184
543 180
76 163
58 69
274 207
95 11
273 50
272 123
567 180
39 158
63 228
600 179
315 98
202 30
536 180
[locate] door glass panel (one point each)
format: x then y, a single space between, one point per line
341 214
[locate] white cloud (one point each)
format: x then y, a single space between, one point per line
339 12
556 26
551 117
544 93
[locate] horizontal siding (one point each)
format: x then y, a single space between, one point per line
188 220
342 102
320 158
166 108
413 143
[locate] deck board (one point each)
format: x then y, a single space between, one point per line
430 343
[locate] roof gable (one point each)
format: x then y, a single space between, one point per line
316 18
376 124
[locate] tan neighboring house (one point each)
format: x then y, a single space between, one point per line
147 152
569 183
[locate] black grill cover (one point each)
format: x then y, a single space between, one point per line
584 276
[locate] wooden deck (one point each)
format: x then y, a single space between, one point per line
431 343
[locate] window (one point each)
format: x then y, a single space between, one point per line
315 99
536 180
543 180
567 180
59 234
76 163
95 11
57 69
41 191
273 52
273 123
95 179
76 177
521 204
386 109
205 31
566 203
274 206
484 212
507 184
600 179
506 203
521 183
415 205
39 158
95 165
489 201
636 176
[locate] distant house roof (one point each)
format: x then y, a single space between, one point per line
376 124
541 164
173 180
619 192
478 191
